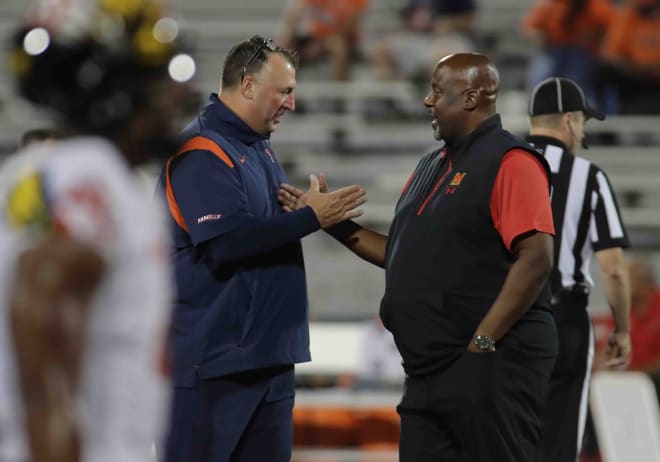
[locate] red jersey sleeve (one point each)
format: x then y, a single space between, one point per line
520 201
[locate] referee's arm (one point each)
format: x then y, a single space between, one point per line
616 284
608 248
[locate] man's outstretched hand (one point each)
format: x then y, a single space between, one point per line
330 207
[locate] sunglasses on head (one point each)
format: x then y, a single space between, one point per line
265 43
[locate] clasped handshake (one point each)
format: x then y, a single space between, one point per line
330 207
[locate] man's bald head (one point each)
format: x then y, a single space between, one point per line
475 71
463 93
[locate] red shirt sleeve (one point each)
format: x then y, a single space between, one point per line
520 201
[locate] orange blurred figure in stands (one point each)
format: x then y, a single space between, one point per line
631 49
316 28
570 33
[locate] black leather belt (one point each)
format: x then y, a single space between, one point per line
576 293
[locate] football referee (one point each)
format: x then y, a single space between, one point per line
587 221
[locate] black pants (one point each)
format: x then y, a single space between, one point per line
565 413
484 408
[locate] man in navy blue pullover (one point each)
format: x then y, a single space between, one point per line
240 321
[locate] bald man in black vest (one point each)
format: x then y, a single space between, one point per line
467 260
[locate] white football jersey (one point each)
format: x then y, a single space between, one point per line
84 188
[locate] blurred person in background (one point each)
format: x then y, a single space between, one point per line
570 34
84 283
379 361
644 318
431 29
644 338
324 28
38 135
588 222
466 266
631 49
240 319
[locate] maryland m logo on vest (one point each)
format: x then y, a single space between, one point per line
455 182
458 178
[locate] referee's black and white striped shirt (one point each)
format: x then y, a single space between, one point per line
584 210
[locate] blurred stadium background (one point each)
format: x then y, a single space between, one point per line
371 133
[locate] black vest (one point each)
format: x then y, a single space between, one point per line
445 261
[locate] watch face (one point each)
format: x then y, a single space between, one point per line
484 343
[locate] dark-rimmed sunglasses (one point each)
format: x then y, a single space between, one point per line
265 43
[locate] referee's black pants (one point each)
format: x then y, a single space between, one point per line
484 408
565 413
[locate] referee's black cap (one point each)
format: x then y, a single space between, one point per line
557 95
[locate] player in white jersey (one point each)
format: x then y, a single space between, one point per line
83 189
85 287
